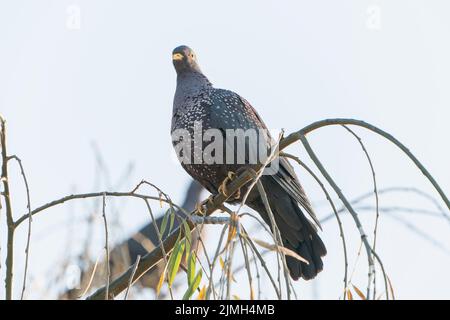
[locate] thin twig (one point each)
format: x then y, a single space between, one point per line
262 261
276 233
108 271
87 196
30 219
155 256
158 233
130 283
247 267
9 213
90 278
338 219
377 212
347 205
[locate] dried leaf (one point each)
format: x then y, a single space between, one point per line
349 295
222 263
236 297
160 282
202 294
359 292
232 278
160 200
284 250
231 233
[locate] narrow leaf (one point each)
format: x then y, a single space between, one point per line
202 294
349 295
194 285
173 269
164 223
191 267
160 282
160 200
359 293
284 250
231 233
188 239
172 219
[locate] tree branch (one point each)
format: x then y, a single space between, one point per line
152 258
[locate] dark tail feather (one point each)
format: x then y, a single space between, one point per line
297 232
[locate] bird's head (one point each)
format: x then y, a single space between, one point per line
184 59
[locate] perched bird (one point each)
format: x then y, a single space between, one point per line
196 102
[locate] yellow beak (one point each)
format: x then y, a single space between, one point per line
177 56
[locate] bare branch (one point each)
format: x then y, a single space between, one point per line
130 283
30 219
108 271
153 257
9 213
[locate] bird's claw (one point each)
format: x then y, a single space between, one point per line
223 186
199 208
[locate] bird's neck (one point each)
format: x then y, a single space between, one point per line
191 83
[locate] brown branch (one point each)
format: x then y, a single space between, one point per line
130 283
87 196
108 272
9 213
152 258
329 122
30 220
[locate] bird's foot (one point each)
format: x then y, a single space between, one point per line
201 207
223 188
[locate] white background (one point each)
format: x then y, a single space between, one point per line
111 82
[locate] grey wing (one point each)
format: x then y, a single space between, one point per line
285 176
230 111
288 180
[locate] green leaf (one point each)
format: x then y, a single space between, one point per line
164 223
187 231
188 238
172 219
191 267
194 285
175 265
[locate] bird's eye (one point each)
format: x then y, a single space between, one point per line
192 55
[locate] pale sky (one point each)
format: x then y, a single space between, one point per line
107 78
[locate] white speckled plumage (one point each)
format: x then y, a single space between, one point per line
196 100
